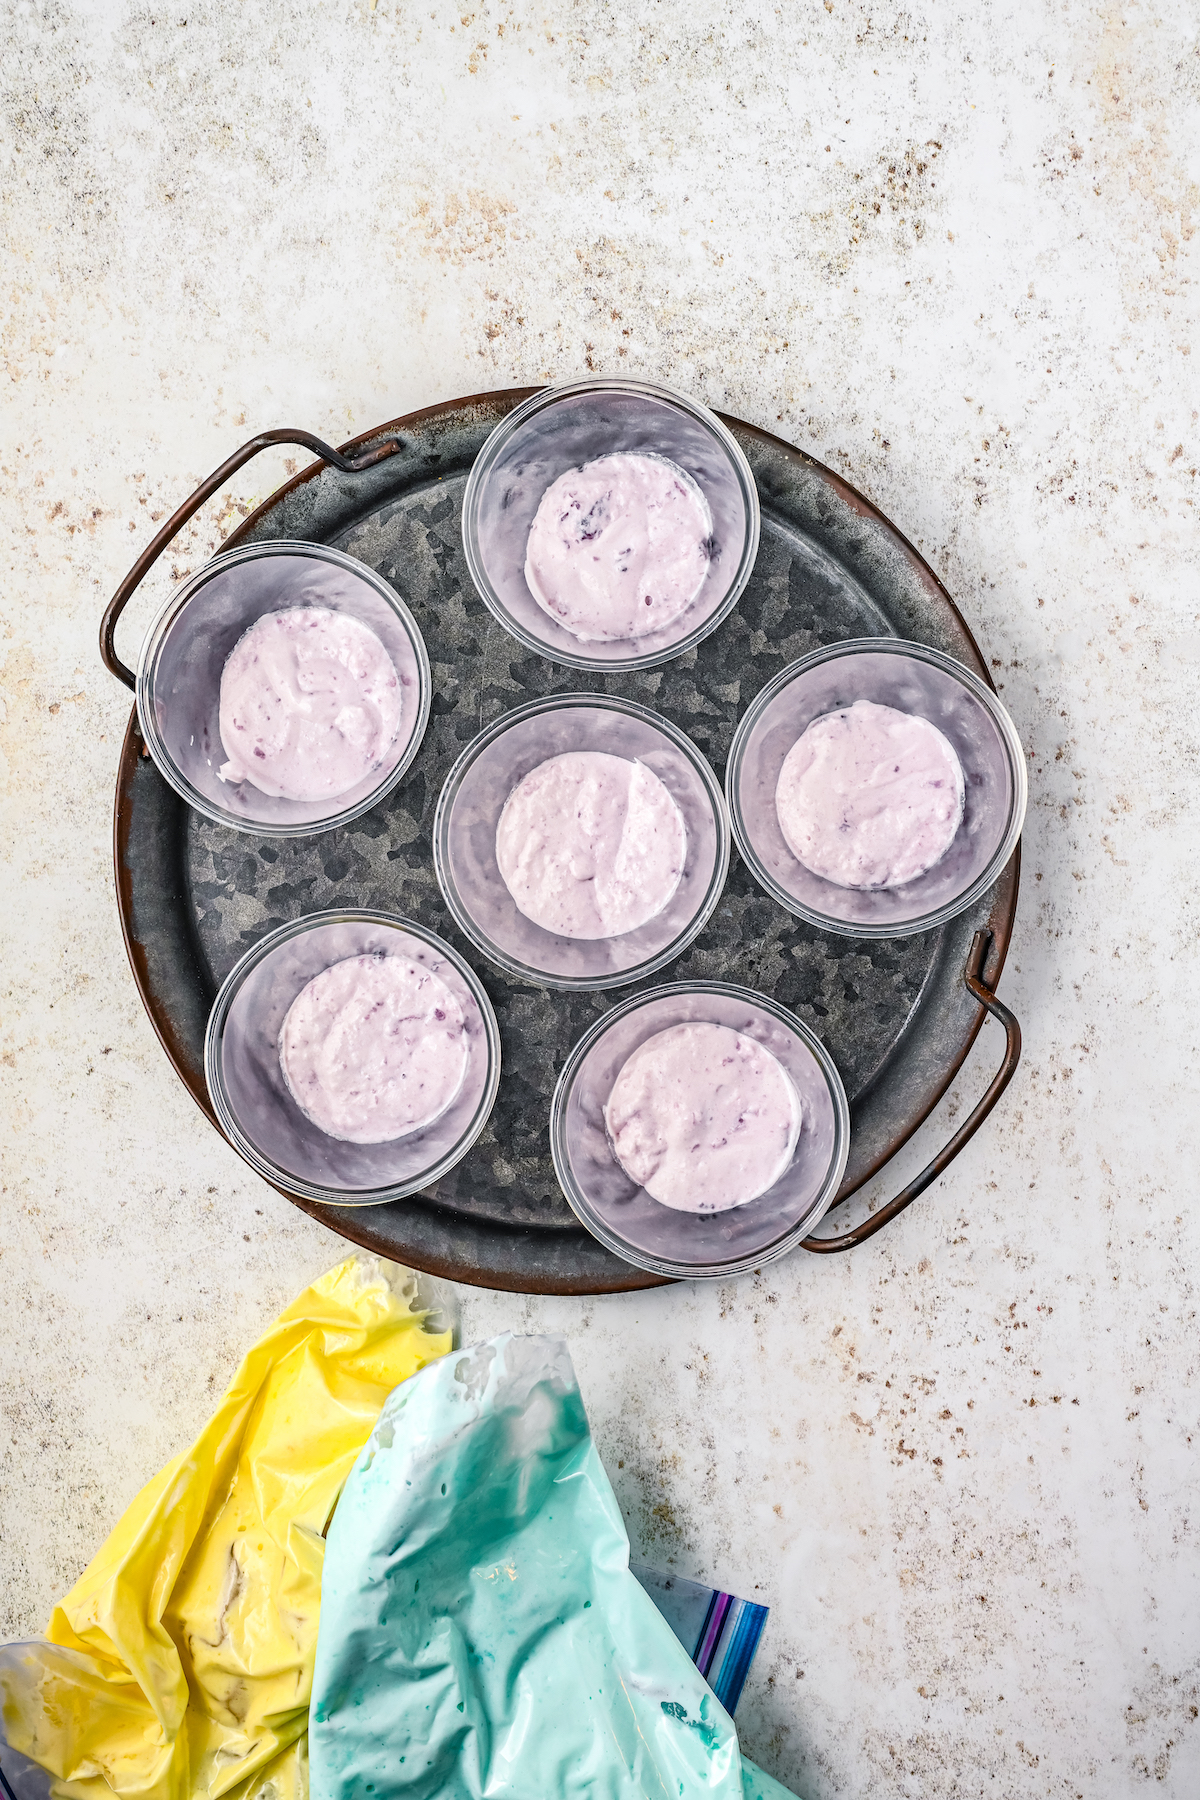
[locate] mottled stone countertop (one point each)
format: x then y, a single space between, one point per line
951 255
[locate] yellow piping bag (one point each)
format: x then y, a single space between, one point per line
180 1664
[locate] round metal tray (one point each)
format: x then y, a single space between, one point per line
898 1016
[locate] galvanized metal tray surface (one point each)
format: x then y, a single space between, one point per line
193 895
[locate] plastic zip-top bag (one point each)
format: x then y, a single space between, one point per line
481 1632
179 1665
719 1631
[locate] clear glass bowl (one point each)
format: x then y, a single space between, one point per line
184 652
697 1246
464 839
558 430
914 679
251 1098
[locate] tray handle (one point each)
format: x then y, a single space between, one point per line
973 978
150 555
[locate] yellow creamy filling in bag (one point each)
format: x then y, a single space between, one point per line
181 1661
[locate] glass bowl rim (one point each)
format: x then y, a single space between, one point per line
481 468
739 1265
168 614
979 690
214 1081
511 965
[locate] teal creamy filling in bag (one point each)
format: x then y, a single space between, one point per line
481 1633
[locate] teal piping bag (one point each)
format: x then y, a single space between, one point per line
481 1636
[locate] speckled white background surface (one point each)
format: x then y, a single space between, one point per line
950 253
